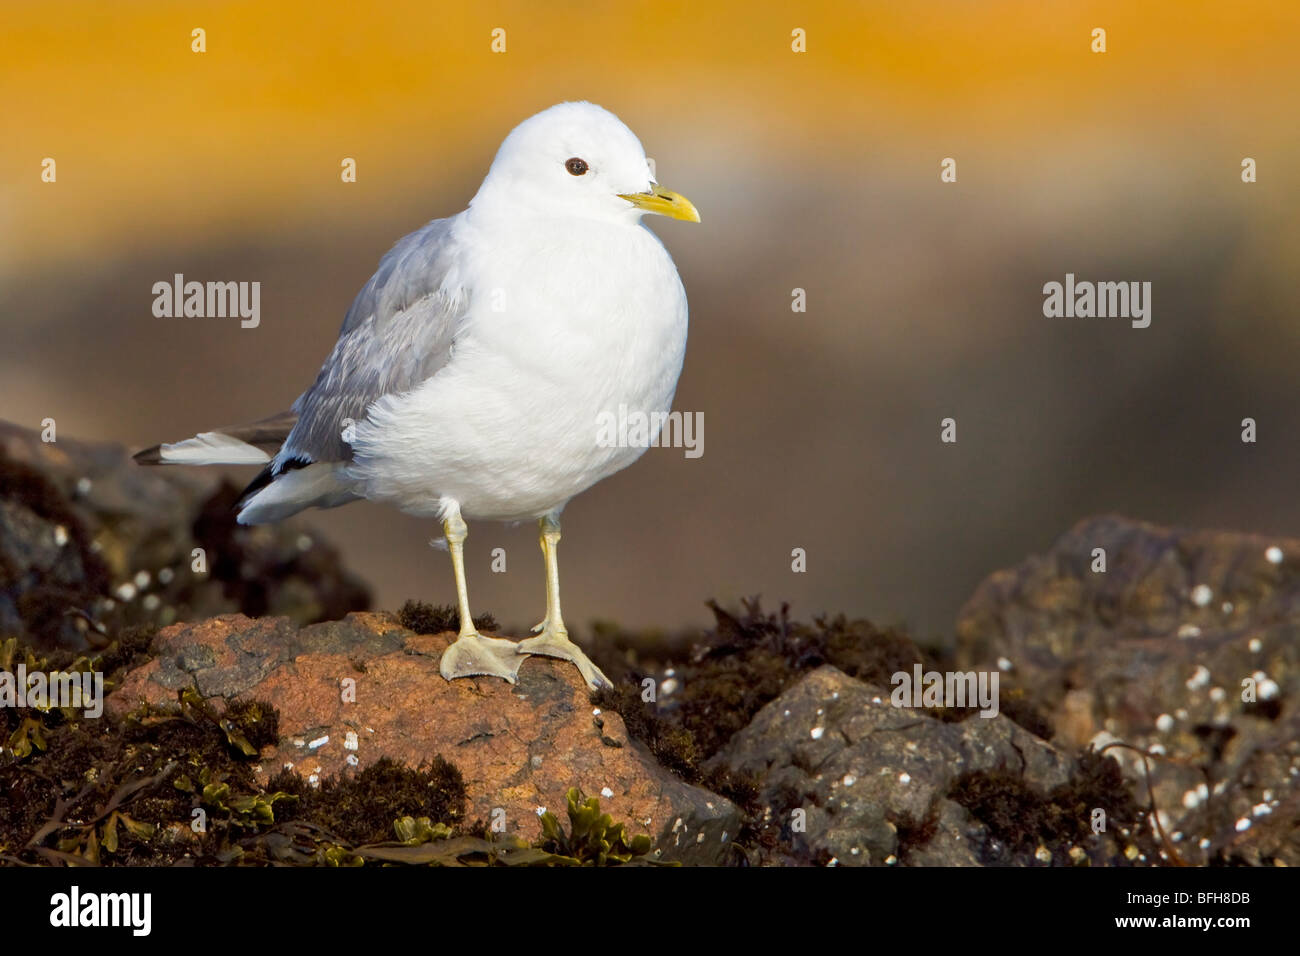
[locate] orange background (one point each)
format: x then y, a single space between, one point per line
816 170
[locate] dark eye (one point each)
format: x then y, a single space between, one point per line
576 166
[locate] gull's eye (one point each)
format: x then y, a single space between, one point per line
576 166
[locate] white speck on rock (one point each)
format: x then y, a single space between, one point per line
1004 664
1164 723
904 777
1188 630
1102 739
1202 595
125 592
353 760
1255 645
540 810
350 741
849 780
60 535
319 742
817 732
1243 824
1200 678
606 792
1273 555
1268 689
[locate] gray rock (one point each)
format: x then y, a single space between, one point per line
1154 652
90 540
859 768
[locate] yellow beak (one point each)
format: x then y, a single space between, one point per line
663 202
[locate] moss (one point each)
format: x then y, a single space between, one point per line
255 721
425 618
361 808
915 833
1021 818
129 649
746 661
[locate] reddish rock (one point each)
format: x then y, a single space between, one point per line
518 747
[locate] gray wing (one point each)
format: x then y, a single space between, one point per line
397 334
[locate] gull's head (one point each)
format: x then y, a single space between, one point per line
576 160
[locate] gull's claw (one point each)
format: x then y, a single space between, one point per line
555 643
473 654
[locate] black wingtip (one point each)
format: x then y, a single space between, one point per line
150 456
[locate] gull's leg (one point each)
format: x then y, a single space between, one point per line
553 641
472 653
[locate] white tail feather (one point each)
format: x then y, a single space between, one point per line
323 485
212 448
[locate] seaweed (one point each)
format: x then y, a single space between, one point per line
423 618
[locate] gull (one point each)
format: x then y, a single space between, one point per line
473 368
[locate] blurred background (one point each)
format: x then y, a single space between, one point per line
817 171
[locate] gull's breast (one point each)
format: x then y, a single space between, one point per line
561 334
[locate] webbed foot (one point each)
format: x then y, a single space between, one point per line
472 654
552 642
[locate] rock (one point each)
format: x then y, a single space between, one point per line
862 769
90 541
1154 652
519 748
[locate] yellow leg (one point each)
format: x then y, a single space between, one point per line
553 641
473 654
